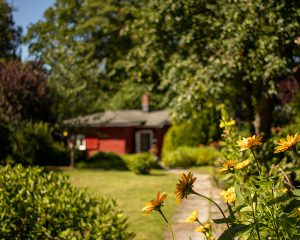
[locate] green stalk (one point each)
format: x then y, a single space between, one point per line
256 223
296 154
161 213
212 201
258 165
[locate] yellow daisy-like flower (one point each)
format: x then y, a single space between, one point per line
228 166
298 212
249 142
287 144
229 195
155 204
203 229
184 187
242 164
193 217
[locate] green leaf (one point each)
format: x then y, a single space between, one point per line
279 199
238 193
223 220
292 206
234 231
296 192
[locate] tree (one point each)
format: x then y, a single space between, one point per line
235 52
10 34
85 44
24 92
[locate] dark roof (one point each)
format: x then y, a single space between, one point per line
121 118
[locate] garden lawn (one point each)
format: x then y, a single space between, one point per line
131 192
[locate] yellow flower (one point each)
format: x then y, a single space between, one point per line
249 142
298 212
203 229
193 217
155 204
224 123
229 195
287 144
228 166
184 187
242 164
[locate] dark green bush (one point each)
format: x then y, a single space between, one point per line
140 163
185 156
103 160
32 143
37 205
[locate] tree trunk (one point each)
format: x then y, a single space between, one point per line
263 115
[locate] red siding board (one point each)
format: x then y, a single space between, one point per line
91 143
112 145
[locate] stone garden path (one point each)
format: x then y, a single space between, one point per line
182 230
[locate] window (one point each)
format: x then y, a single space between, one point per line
143 140
80 142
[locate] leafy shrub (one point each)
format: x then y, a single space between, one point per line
103 160
191 133
32 143
207 156
140 163
36 205
184 157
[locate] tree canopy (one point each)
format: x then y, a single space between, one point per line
10 34
24 94
190 54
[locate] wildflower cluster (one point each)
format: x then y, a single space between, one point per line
263 204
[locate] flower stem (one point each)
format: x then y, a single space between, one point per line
171 231
212 201
258 165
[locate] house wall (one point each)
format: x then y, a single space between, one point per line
120 140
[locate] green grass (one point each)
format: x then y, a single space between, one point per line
131 192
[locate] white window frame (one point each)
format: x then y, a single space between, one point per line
138 139
80 142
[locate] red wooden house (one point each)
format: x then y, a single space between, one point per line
122 131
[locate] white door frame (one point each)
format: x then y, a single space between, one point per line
138 139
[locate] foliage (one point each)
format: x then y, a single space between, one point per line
10 34
218 51
24 92
39 205
202 129
87 55
185 156
140 163
103 160
32 143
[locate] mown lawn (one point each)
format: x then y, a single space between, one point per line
131 192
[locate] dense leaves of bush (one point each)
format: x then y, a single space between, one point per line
103 160
191 133
140 163
37 205
32 143
190 156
